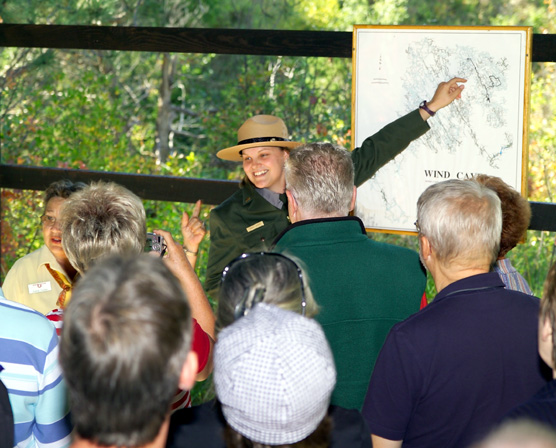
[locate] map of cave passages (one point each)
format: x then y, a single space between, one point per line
483 132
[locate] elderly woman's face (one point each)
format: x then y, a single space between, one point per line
51 230
264 166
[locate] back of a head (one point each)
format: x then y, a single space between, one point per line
462 220
263 277
274 374
100 220
320 176
520 434
516 212
127 333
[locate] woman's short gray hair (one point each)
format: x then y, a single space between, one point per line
100 220
320 177
462 220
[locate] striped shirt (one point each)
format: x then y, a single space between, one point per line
511 278
33 377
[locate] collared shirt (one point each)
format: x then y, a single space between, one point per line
511 278
29 282
447 374
272 197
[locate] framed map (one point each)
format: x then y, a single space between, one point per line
395 68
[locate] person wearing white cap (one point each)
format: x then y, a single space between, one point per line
255 215
274 375
278 282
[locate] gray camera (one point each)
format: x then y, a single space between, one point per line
155 243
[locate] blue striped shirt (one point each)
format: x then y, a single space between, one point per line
511 278
33 377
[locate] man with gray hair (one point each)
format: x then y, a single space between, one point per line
362 287
125 349
447 374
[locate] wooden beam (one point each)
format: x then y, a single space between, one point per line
543 216
178 40
158 188
179 189
335 44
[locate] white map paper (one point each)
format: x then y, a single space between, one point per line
396 69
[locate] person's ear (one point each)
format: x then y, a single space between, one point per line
425 245
353 199
189 371
546 330
292 206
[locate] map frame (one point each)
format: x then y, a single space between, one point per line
370 80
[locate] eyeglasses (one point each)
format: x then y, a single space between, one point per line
49 220
244 305
417 226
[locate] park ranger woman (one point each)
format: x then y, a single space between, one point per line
254 216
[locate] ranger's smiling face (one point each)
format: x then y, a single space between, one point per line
264 166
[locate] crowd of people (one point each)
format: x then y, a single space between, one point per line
320 338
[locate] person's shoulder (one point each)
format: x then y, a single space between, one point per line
392 252
348 428
229 205
392 248
541 407
519 298
24 262
17 319
200 425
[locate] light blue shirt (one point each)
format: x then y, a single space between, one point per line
33 377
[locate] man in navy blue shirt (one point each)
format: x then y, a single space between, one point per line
447 374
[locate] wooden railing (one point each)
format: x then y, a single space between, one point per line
195 40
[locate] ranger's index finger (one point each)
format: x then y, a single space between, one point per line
197 209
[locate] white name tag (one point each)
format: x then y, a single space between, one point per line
39 287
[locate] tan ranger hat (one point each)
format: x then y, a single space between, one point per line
260 130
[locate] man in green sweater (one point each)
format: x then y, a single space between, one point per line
362 287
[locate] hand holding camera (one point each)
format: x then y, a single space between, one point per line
155 243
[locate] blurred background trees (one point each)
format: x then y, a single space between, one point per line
169 113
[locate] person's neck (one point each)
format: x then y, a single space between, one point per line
158 442
68 268
446 275
302 215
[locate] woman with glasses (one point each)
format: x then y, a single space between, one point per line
250 279
41 278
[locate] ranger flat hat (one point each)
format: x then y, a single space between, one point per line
260 130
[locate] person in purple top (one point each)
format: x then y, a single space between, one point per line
447 374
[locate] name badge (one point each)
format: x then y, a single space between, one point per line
39 287
255 226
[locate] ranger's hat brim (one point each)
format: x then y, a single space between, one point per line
233 153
